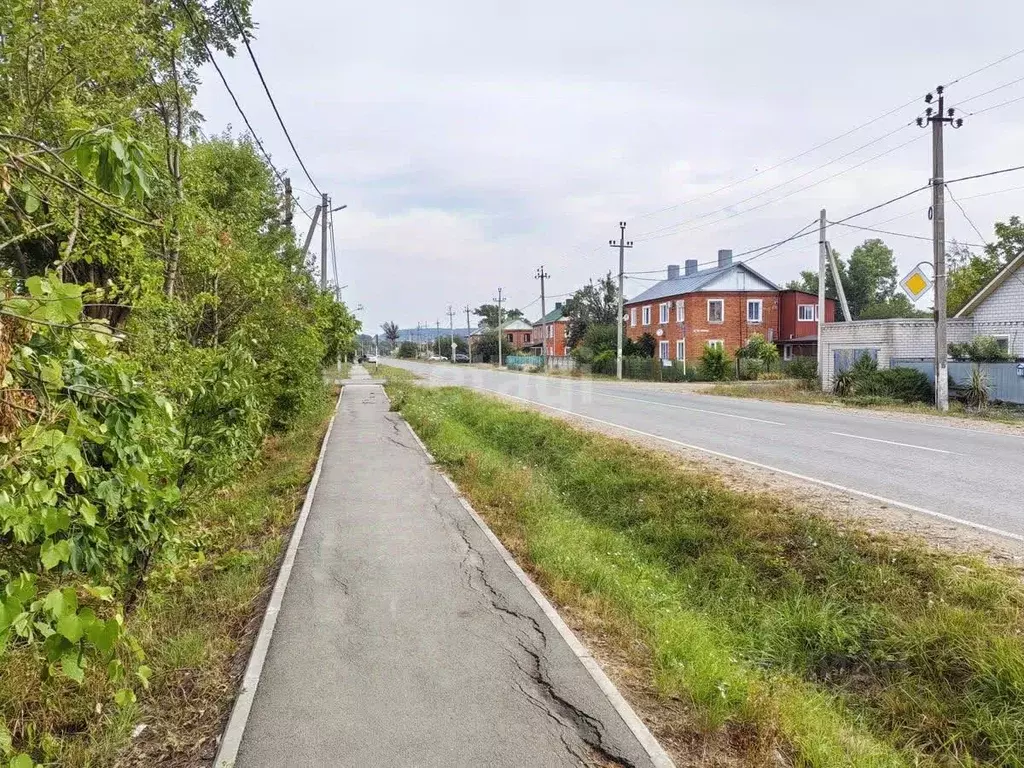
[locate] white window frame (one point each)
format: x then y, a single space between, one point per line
645 314
760 311
814 313
787 351
632 317
680 310
681 352
664 312
663 350
716 301
719 343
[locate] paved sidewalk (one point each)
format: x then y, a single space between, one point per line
404 639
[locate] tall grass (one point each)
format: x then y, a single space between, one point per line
846 649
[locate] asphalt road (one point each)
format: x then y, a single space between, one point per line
403 639
973 476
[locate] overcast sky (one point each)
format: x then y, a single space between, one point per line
474 141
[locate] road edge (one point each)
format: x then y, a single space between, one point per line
657 754
231 737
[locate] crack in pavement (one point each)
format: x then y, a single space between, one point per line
532 640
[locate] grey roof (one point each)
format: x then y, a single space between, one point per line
990 287
691 283
517 325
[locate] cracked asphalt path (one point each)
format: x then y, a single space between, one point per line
404 640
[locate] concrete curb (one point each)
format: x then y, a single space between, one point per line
654 750
231 738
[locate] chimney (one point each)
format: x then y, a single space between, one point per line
724 257
558 305
691 266
673 271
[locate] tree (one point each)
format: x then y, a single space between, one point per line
970 272
488 314
391 332
591 305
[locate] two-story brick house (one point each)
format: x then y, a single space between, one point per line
557 324
722 306
798 323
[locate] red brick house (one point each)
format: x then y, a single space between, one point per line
517 333
722 306
798 328
557 325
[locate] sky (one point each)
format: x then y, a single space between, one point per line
475 141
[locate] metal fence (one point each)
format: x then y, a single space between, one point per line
1005 380
518 362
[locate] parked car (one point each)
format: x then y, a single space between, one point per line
372 359
461 357
436 358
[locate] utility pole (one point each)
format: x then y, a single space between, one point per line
312 229
499 325
622 245
542 276
938 119
839 281
469 336
325 207
438 338
451 323
417 340
287 203
822 277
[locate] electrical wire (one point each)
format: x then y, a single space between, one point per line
334 261
643 235
900 234
959 104
995 106
982 69
985 175
266 88
973 226
252 131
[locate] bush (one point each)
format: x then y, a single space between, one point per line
407 350
714 364
976 393
759 349
803 368
907 385
980 349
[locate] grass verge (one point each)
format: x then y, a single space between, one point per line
195 622
788 391
825 646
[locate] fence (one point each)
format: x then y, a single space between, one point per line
1005 380
644 369
518 362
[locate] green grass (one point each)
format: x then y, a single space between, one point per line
838 648
200 600
788 391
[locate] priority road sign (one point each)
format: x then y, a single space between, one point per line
916 283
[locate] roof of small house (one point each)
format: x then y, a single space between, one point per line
987 290
691 283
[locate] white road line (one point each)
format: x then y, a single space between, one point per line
806 478
892 442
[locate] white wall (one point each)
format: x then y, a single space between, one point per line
1002 313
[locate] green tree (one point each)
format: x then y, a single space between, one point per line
488 314
970 272
591 305
391 332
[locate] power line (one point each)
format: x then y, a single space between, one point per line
986 93
334 261
266 88
252 131
996 106
975 228
985 175
643 235
897 234
987 66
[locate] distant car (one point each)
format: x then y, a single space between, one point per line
372 359
436 358
461 357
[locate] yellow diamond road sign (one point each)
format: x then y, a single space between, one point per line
916 283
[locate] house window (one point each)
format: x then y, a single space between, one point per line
807 312
632 317
680 310
754 310
647 315
663 310
510 338
1003 342
663 350
527 339
787 352
716 310
681 349
551 331
716 343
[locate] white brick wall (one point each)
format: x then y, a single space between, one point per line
1002 314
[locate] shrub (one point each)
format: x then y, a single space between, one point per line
758 348
803 368
714 364
976 393
407 350
907 385
843 383
980 349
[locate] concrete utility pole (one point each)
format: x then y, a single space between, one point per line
542 276
499 326
839 281
451 322
622 245
325 206
822 272
312 229
938 119
469 336
438 338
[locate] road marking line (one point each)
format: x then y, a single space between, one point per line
805 478
681 407
892 442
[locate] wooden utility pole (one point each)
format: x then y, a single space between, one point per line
542 276
622 245
938 118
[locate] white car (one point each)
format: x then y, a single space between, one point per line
372 359
437 358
